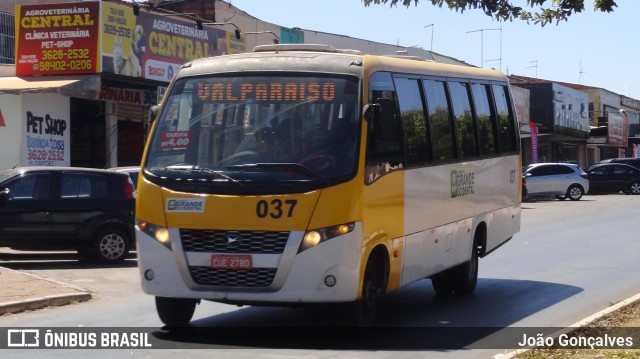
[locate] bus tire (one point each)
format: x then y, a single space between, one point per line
366 308
464 277
175 312
441 283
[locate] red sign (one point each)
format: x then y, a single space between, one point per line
175 140
57 38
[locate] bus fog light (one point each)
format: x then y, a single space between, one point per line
149 275
330 281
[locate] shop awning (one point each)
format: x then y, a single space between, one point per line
70 85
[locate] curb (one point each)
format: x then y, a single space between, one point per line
43 301
575 326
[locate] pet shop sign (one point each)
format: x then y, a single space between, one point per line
46 130
57 38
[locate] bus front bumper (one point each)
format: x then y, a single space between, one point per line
327 272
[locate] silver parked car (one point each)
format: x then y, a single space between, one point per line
562 180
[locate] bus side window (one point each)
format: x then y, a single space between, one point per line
464 123
385 134
507 137
416 133
486 126
440 119
384 142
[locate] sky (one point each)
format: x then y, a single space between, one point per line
591 48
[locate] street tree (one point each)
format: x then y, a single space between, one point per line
504 10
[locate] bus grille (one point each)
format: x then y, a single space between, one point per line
256 242
257 277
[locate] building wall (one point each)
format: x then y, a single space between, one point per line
10 130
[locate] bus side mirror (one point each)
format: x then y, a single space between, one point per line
370 110
153 112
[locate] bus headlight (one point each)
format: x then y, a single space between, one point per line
160 234
317 236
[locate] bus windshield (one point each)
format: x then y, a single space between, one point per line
268 128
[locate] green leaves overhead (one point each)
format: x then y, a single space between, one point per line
540 12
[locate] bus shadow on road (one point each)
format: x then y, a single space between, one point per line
413 318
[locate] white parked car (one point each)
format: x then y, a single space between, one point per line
562 180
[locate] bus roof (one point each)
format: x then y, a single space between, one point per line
327 59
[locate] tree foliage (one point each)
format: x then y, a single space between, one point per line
504 10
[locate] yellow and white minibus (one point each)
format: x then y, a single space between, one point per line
302 173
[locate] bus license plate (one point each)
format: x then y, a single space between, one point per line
231 261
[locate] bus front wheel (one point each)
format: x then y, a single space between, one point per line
175 312
366 308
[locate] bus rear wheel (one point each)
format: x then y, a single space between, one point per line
461 279
175 312
465 276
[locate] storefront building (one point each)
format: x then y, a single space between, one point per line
85 76
560 115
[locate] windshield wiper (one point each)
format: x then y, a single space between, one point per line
197 169
214 172
281 166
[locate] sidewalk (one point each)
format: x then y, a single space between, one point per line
20 291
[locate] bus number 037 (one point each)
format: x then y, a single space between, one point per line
276 208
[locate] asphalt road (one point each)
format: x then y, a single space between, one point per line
570 260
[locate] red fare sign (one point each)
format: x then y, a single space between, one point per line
175 140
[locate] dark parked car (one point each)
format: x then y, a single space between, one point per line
62 208
133 172
614 178
562 180
635 162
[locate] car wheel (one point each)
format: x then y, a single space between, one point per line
111 245
175 312
574 192
634 188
